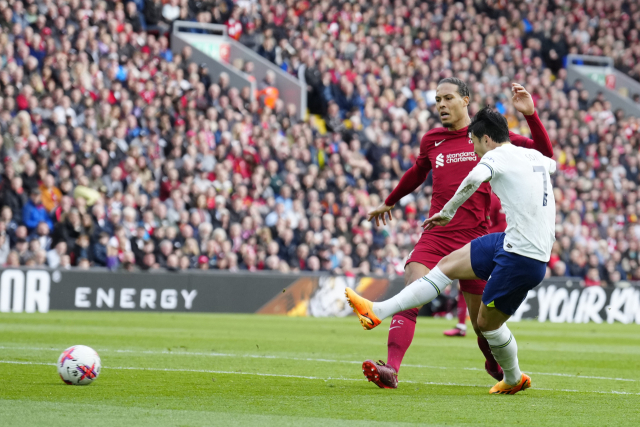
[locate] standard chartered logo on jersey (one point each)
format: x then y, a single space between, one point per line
468 156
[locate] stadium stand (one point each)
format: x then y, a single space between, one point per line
117 152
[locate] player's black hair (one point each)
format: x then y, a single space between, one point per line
490 123
463 89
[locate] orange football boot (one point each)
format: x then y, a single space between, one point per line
504 388
363 308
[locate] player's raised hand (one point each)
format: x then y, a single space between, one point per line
437 219
522 100
380 213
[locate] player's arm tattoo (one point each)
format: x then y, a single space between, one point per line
467 191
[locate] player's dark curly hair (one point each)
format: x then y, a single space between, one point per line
463 89
490 123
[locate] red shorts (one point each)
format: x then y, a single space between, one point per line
432 247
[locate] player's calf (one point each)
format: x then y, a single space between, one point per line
474 302
505 350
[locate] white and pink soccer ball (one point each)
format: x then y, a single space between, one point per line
79 365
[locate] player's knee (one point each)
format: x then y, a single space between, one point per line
481 325
408 279
445 265
413 273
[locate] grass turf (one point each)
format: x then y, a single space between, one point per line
195 369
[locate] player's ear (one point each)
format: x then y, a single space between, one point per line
466 101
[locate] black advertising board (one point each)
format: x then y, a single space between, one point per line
33 290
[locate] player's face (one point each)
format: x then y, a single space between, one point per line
479 145
450 105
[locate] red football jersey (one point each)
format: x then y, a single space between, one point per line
498 217
449 154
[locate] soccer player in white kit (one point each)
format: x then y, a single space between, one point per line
512 262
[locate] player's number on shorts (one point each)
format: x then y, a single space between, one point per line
544 182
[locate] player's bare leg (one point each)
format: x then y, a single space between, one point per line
457 265
490 365
492 324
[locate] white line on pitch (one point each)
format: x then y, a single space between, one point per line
303 359
206 371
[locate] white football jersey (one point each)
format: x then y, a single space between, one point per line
520 178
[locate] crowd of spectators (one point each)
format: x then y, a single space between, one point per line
118 152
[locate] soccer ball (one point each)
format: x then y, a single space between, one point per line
79 365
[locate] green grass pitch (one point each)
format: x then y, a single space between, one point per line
199 370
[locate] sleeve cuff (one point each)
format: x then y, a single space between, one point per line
490 168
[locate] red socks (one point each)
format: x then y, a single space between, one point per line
462 309
492 364
401 331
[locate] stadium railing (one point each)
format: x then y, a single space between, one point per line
224 51
209 46
598 74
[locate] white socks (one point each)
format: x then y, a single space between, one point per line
418 293
505 350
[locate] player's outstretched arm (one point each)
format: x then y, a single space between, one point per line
523 102
380 214
479 174
408 183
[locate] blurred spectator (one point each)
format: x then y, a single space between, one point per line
99 250
171 10
4 248
34 211
268 49
153 10
42 236
51 195
15 198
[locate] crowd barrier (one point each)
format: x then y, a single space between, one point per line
40 290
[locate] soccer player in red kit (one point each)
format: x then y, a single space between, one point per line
448 152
